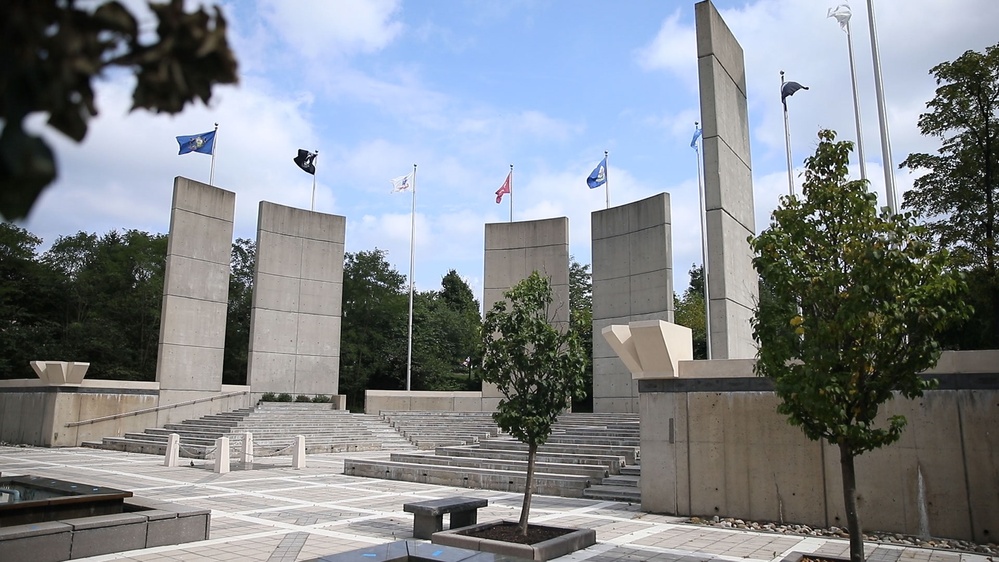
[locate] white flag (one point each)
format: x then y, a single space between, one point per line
401 183
842 14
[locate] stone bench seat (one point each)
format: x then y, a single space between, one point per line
614 464
597 472
629 454
428 516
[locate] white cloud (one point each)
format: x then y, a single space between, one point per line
335 27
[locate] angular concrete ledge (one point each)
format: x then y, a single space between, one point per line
415 551
578 539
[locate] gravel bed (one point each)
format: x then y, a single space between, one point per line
990 549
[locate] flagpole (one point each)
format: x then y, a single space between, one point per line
215 143
511 192
412 246
787 141
704 249
606 181
314 160
886 160
856 105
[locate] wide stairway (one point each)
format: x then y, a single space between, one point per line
588 455
274 426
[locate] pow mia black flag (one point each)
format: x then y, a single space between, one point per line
306 161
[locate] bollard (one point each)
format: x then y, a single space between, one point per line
298 456
247 449
222 455
172 450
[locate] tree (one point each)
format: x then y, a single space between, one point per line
373 332
689 311
52 51
859 297
537 367
243 259
581 323
958 197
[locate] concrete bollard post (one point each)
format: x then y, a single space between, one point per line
222 455
172 450
247 449
298 456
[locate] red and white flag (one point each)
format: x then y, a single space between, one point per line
505 189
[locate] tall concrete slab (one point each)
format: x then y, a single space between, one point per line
514 250
728 185
297 297
195 291
632 275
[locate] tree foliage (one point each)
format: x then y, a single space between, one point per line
581 323
53 50
859 297
243 260
689 311
537 366
958 196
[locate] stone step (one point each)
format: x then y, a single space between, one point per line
587 440
569 486
632 470
592 471
612 463
621 480
613 493
629 454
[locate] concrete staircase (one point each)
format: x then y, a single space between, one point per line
274 426
588 455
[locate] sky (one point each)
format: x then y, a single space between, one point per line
465 88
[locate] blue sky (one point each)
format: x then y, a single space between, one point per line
463 89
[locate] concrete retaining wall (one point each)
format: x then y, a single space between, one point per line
376 401
713 444
632 280
32 413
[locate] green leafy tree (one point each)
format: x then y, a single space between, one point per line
958 196
689 311
581 323
237 321
52 50
537 366
374 325
859 297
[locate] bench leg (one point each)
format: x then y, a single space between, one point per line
426 525
464 519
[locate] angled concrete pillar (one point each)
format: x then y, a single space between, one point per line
632 276
728 184
195 292
514 250
297 294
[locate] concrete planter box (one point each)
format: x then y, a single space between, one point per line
577 539
797 556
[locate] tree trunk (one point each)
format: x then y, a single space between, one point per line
525 510
850 501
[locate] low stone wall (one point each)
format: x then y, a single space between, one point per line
33 413
376 401
713 444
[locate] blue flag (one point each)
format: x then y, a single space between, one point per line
598 176
203 143
693 141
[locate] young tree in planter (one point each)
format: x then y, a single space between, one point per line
537 365
859 296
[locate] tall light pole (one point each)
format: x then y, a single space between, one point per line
886 160
842 14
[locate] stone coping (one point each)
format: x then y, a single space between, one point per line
415 551
577 539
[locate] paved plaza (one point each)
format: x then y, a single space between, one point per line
275 513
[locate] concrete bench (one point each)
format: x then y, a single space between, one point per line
428 516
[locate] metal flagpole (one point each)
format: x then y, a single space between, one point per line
511 192
606 181
704 251
315 159
787 141
886 161
412 246
215 144
856 95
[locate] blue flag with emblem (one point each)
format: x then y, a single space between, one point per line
203 143
598 176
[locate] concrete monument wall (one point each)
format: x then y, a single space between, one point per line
514 250
713 444
728 185
298 288
195 292
632 274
